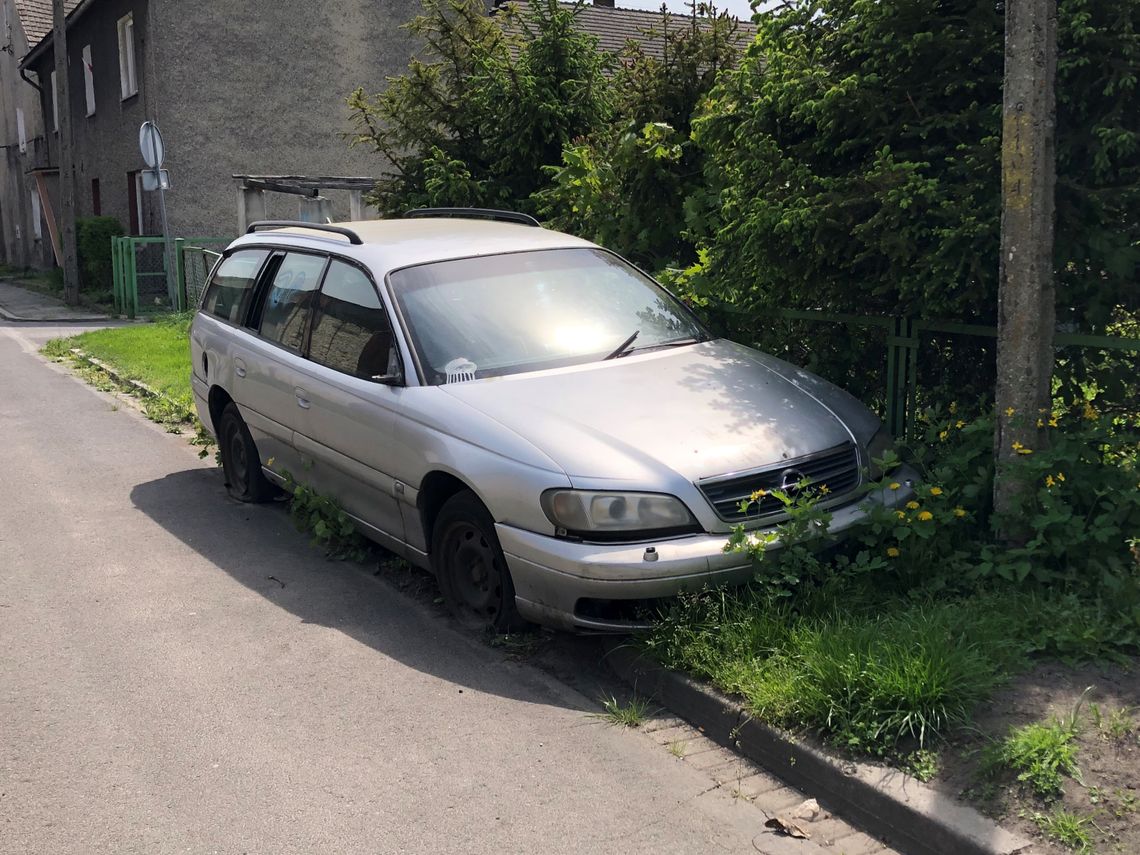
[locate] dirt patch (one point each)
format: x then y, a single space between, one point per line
1106 799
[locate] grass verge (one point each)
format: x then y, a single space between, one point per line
876 674
157 354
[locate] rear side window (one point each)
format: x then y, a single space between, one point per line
351 332
288 301
232 286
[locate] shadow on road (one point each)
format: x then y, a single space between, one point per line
258 546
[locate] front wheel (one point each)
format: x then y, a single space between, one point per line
469 565
241 463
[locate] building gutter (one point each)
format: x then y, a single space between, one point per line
49 38
28 80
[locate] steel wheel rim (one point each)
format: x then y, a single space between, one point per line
474 573
238 460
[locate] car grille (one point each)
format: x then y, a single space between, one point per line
837 468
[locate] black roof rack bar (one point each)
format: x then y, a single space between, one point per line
352 236
475 214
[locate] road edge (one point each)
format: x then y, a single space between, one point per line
884 803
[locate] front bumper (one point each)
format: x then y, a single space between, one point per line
556 580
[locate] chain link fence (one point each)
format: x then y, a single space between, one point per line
196 263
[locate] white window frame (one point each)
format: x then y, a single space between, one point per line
21 129
128 74
37 217
89 80
54 103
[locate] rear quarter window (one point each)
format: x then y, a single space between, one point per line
230 291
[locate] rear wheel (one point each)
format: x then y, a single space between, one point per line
241 463
469 564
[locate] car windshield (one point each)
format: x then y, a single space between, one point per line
524 311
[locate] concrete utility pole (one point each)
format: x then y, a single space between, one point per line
1026 310
66 157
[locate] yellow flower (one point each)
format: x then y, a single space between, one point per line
894 485
1053 421
925 516
1041 423
892 552
936 491
759 494
1021 449
959 512
959 424
269 462
900 515
943 434
1060 476
953 407
912 505
1009 411
1049 482
824 489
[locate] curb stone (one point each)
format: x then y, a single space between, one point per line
137 385
885 803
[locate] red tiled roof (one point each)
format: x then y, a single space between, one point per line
35 17
614 27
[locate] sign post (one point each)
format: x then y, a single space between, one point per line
154 153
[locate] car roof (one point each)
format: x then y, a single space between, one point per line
392 244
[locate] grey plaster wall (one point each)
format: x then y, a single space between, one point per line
106 143
18 245
259 88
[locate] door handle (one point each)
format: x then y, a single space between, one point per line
239 367
302 398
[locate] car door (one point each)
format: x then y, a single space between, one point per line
268 363
355 389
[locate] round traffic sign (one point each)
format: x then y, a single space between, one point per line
150 144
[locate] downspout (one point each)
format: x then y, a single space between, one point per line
29 81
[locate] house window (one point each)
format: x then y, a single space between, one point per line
21 129
128 81
37 216
88 80
54 104
96 201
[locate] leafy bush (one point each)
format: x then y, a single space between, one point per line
93 238
854 159
631 185
476 122
1042 755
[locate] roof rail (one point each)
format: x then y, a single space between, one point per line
352 236
475 214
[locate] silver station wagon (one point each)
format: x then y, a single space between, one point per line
522 412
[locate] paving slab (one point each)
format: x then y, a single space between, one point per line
22 304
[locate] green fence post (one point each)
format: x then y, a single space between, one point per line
132 279
180 273
115 274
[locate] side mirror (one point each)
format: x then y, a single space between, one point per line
396 379
394 376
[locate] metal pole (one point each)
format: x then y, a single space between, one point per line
171 285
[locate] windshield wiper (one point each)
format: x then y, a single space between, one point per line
624 346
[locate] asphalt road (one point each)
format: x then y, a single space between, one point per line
180 673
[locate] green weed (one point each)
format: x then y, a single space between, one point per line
631 714
1041 755
678 747
1115 725
1067 828
329 527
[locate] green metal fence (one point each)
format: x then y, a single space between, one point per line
139 268
904 339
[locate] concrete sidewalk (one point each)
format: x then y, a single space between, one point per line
20 304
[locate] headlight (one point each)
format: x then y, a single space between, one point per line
881 448
594 513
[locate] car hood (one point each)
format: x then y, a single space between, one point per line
700 410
